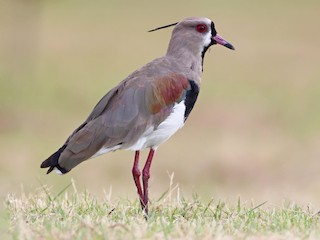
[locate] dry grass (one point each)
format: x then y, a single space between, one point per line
74 215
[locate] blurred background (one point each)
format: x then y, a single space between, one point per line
255 130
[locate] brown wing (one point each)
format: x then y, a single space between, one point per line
122 116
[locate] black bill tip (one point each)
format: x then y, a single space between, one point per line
228 45
217 39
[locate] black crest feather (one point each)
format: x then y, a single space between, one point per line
166 26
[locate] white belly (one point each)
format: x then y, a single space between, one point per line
154 137
104 150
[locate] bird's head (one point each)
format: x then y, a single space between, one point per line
195 35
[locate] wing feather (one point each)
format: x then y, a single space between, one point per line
123 115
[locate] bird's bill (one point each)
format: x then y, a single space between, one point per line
219 40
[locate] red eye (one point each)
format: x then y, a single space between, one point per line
201 28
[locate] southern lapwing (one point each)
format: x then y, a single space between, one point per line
146 108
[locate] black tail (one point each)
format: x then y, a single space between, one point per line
52 162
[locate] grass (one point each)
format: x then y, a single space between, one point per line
73 215
257 116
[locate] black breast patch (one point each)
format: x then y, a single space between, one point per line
191 98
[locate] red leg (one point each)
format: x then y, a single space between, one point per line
145 178
136 177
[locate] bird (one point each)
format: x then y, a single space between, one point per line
146 108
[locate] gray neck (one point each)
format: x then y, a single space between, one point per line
183 55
